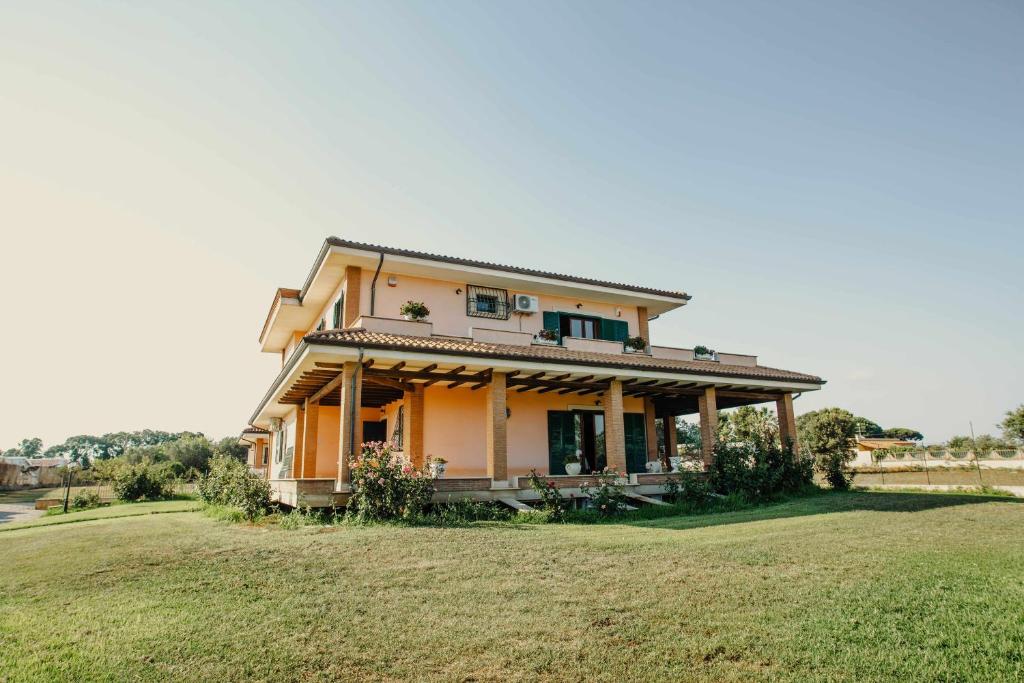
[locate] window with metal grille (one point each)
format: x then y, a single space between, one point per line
396 434
487 302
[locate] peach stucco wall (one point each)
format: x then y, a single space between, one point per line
448 309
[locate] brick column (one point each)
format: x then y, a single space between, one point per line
787 421
412 425
497 428
614 427
650 430
669 429
311 431
708 424
350 423
353 286
300 424
642 328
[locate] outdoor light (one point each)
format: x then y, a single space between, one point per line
392 281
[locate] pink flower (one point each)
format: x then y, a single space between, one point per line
406 470
551 484
381 481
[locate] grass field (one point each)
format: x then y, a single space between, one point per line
855 586
956 477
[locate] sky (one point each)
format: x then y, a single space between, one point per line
839 186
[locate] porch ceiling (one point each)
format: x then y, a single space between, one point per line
382 384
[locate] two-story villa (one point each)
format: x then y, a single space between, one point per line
512 370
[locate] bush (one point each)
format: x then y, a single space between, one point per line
86 500
142 481
230 483
758 471
461 512
386 487
607 495
555 507
689 490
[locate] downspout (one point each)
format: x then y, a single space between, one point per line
373 285
352 408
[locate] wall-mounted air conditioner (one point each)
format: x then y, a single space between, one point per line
524 303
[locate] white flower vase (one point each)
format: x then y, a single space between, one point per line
572 468
676 462
437 469
654 467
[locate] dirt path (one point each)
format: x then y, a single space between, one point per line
18 512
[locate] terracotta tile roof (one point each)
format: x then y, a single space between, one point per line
459 346
254 430
348 244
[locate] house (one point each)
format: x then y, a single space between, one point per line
512 370
257 441
20 472
866 445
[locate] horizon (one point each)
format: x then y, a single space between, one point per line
838 189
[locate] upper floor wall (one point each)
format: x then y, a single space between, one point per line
349 281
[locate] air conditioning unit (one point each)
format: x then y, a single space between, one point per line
524 303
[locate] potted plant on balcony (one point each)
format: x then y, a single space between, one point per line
438 467
414 310
702 352
635 345
572 464
547 337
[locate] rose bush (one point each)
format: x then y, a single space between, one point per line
386 486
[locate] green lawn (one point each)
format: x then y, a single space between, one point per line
107 512
856 586
956 477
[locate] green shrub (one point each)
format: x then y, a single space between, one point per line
386 487
691 490
231 483
555 507
758 471
86 500
463 511
299 518
607 495
142 481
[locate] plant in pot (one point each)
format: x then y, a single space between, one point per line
438 467
546 336
701 352
414 310
635 345
572 464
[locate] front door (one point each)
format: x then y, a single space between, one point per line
581 432
375 431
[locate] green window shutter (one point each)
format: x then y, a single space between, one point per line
561 440
636 442
337 311
614 330
552 320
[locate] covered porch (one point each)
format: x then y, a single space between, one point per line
493 420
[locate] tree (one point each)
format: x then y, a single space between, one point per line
750 425
193 452
28 448
829 434
865 427
1013 425
903 433
959 443
228 447
687 436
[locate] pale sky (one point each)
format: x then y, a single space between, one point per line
840 189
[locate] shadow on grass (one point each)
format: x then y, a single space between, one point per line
827 502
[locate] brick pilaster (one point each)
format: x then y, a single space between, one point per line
300 425
650 429
708 424
787 421
497 428
311 432
669 429
614 427
412 425
642 327
350 423
353 288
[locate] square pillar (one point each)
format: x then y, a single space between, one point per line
708 425
614 427
669 429
650 430
350 423
787 421
300 423
412 425
310 433
353 285
497 428
642 327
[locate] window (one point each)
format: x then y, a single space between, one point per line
266 454
396 434
586 328
320 327
338 305
487 302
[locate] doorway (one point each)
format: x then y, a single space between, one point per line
582 433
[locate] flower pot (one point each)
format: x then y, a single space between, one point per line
654 466
572 468
545 342
676 462
705 356
437 469
413 318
